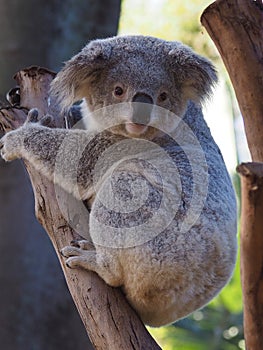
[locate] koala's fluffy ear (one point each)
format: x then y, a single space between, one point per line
194 73
67 87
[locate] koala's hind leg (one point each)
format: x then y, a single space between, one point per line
90 260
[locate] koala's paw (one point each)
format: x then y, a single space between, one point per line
82 244
34 117
77 257
10 146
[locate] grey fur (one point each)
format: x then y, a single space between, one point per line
172 271
134 59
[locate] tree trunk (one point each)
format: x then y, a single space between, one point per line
251 252
37 311
237 31
108 318
236 27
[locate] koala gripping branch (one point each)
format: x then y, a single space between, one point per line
109 320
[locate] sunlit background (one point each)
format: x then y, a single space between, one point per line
218 326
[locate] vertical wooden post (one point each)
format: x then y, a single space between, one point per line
236 27
252 252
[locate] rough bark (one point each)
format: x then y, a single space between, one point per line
251 252
236 28
110 322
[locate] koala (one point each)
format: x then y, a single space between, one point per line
162 220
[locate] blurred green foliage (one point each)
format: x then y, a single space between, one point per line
168 19
218 326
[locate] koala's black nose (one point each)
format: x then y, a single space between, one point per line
142 109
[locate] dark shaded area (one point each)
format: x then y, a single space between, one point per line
47 33
37 312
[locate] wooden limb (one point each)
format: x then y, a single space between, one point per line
236 28
252 252
109 320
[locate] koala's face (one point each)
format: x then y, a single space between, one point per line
139 88
143 79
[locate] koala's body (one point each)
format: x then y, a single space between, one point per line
170 256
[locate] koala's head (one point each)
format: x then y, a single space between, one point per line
144 70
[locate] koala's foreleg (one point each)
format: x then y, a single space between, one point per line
66 157
55 153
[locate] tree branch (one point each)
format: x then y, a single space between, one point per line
251 252
236 28
109 320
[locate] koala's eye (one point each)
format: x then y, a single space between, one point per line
118 91
163 96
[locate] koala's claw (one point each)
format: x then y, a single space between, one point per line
47 120
73 262
75 243
82 244
69 251
32 116
68 264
